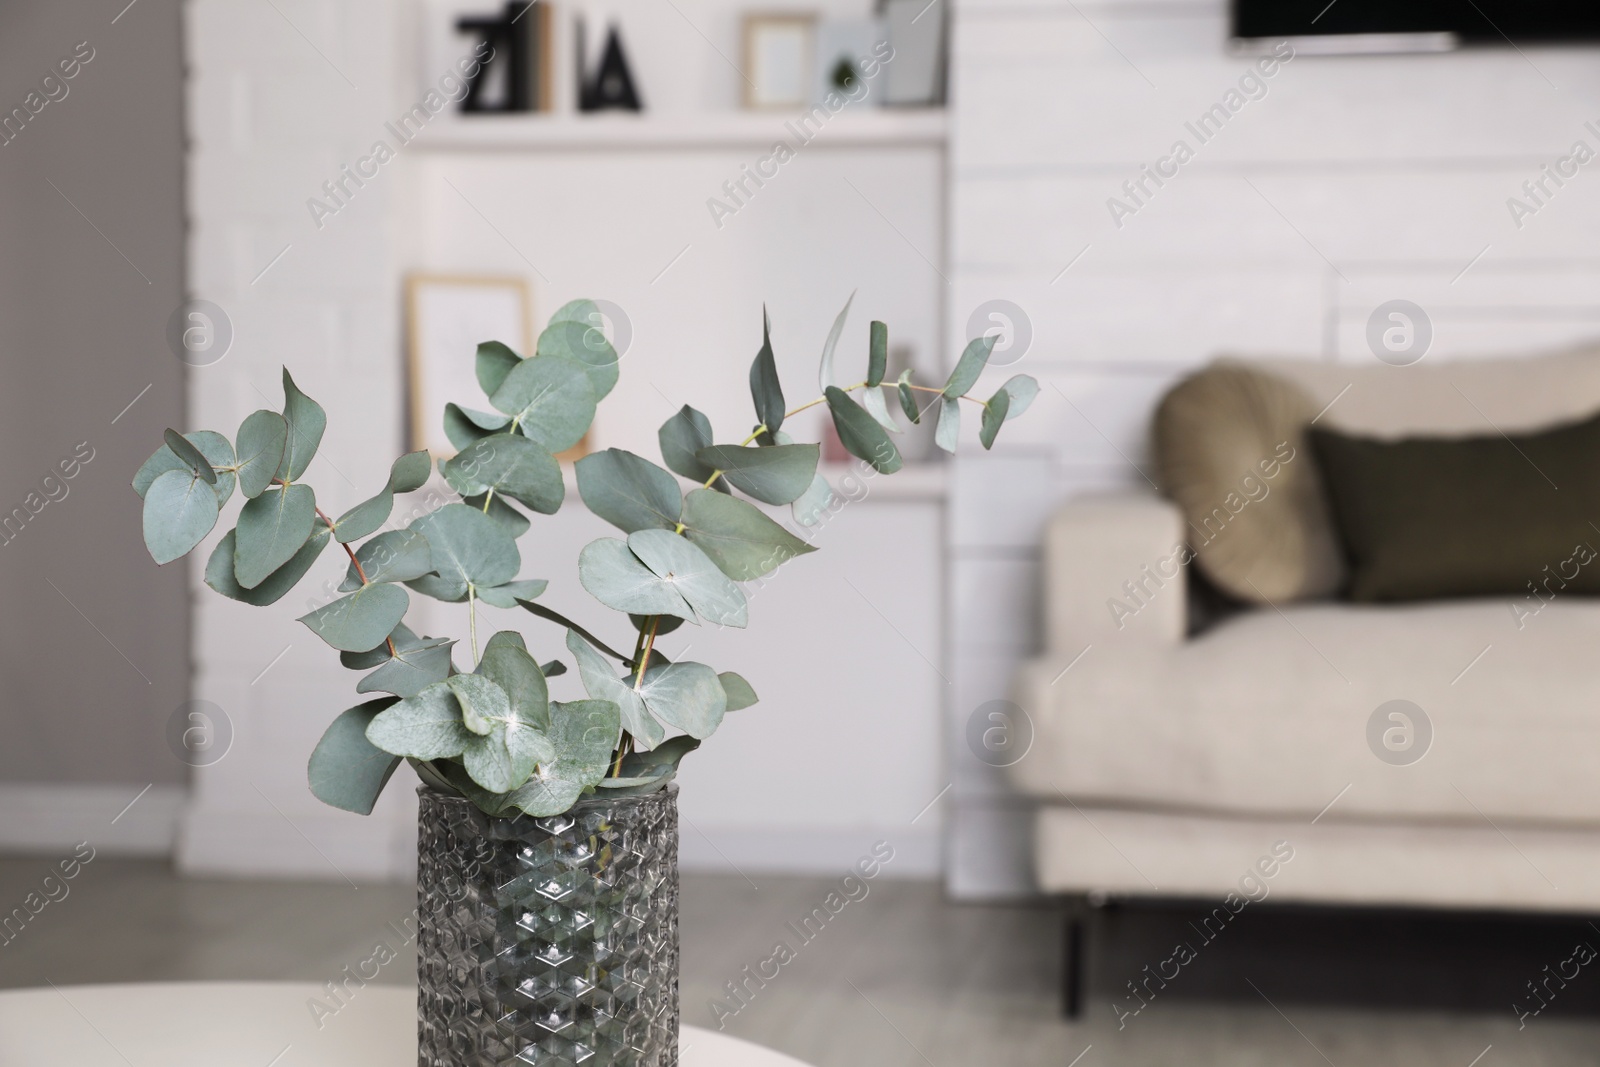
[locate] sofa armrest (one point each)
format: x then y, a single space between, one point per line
1114 571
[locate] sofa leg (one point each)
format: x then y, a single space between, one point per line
1072 964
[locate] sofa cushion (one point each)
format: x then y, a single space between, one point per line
1487 515
1230 446
1270 713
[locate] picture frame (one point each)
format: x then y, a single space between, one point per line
779 60
447 315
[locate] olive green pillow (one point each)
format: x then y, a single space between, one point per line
1424 517
1230 447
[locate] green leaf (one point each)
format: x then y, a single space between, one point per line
306 421
553 668
813 502
584 733
511 466
575 332
464 426
947 435
646 772
213 446
346 770
263 437
681 437
740 540
994 413
426 726
191 456
403 640
629 491
765 389
551 398
969 366
860 433
685 695
393 556
406 474
272 528
739 692
360 620
506 662
410 670
483 704
877 353
469 548
664 624
179 510
494 361
825 374
690 571
601 682
1021 389
508 518
777 474
617 578
878 408
219 571
908 399
507 595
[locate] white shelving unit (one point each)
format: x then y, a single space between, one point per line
866 127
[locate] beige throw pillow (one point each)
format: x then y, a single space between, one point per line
1230 444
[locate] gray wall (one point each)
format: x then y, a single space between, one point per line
84 697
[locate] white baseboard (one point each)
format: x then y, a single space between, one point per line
117 820
826 851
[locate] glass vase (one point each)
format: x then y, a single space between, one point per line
548 941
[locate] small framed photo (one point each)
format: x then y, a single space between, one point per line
779 60
447 316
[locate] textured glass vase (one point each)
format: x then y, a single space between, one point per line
548 941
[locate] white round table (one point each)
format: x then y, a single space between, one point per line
250 1024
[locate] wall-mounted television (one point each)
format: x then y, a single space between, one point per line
1412 25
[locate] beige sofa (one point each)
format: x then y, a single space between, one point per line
1166 765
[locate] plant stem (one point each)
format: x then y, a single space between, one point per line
472 620
560 619
360 573
644 658
486 498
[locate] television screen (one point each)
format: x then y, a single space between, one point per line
1470 21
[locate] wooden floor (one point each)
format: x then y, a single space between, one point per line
898 978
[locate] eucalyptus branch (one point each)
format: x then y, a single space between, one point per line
356 563
560 619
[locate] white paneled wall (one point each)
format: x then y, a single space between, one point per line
1349 182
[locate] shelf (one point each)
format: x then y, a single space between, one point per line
851 128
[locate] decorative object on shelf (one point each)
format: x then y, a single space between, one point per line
916 78
446 316
520 64
848 57
779 61
610 87
548 827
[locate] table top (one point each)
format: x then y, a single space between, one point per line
250 1024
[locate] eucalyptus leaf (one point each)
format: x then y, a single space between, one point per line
179 510
765 389
617 578
877 353
777 474
994 413
601 682
969 366
511 466
1021 389
740 540
410 670
469 548
360 620
814 502
483 705
553 668
272 528
947 435
690 571
426 726
584 733
191 456
493 362
346 770
629 491
861 434
506 662
403 639
685 695
578 336
408 473
739 692
306 421
219 571
463 426
646 772
392 556
551 399
872 399
508 518
908 399
213 446
825 373
663 624
507 595
263 437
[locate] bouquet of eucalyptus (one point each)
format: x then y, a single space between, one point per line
491 732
